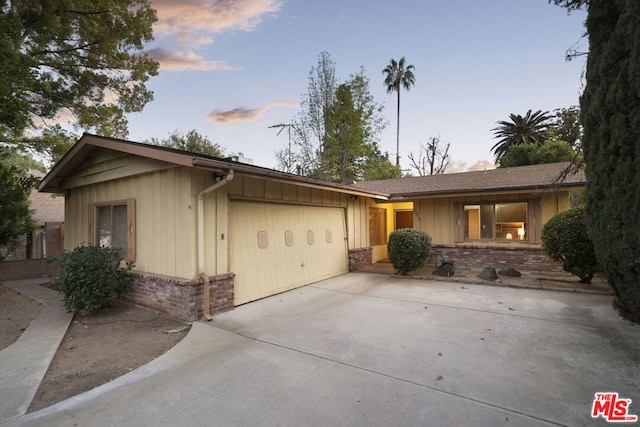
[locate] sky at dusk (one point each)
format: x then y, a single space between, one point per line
232 68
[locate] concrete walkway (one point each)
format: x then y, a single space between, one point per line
367 350
24 363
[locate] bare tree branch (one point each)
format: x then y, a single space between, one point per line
433 158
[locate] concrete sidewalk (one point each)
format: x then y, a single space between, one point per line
24 363
366 350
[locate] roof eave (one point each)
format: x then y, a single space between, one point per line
172 157
471 192
282 177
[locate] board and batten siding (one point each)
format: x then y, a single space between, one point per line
166 212
438 218
165 218
253 189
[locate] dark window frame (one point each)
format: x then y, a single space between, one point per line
499 229
94 238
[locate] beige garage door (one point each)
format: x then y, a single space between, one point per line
277 247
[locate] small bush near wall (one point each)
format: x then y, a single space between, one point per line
90 276
408 249
565 239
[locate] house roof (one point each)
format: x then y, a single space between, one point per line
521 178
541 177
90 145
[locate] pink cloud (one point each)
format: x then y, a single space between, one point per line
246 114
177 60
197 17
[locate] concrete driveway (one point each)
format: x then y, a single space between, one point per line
366 350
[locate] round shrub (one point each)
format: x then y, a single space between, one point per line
90 276
565 239
408 249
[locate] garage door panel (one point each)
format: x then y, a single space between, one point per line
277 247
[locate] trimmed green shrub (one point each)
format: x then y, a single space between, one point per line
566 240
90 277
408 249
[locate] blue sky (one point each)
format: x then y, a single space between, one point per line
231 68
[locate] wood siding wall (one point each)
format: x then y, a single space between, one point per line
249 188
437 217
165 218
166 211
217 211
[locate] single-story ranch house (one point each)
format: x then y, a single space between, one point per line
246 232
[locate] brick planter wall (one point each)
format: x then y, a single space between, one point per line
359 257
27 269
181 298
478 257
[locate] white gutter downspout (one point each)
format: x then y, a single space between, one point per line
227 178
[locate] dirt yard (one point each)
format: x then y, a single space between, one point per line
96 349
17 313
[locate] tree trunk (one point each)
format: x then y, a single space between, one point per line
398 131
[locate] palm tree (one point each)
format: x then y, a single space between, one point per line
530 129
398 75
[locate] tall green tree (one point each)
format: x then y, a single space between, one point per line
191 141
610 107
532 128
308 133
353 124
344 151
398 76
551 151
566 126
324 124
83 58
50 143
15 212
372 112
351 153
24 162
378 166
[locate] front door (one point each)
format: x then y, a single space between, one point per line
404 219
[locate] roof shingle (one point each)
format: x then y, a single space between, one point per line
501 179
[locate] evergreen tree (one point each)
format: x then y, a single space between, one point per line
192 141
532 154
610 109
344 150
15 213
335 136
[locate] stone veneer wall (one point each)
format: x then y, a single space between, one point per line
478 257
359 257
181 298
